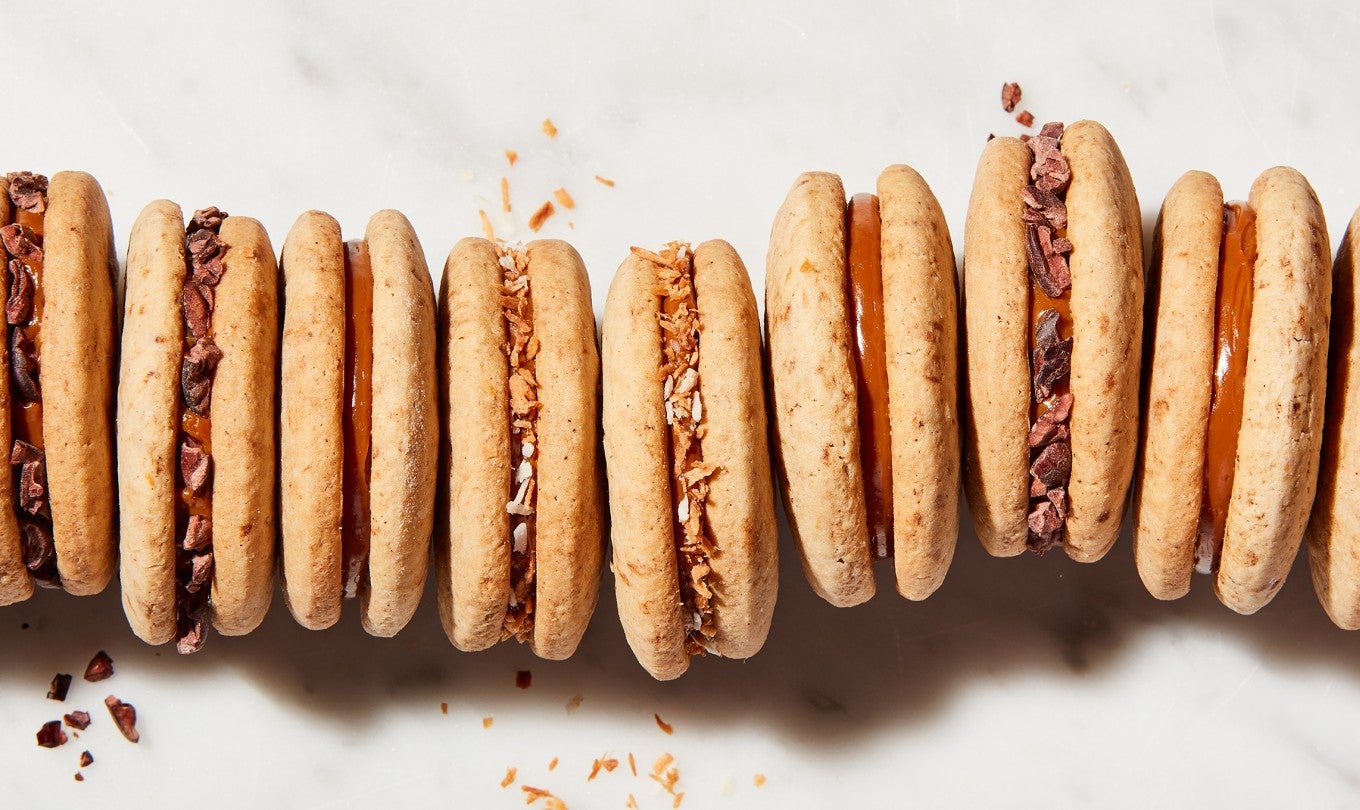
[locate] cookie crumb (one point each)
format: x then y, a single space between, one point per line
549 128
511 156
524 679
509 777
605 180
1025 119
1010 96
663 725
564 199
540 216
486 722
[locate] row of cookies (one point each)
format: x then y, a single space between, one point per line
325 416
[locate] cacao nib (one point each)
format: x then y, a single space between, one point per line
200 573
196 375
21 243
100 668
78 720
1051 425
1053 465
194 464
197 312
32 487
86 759
1053 209
61 685
28 191
209 218
1045 528
198 533
1025 119
51 734
1052 358
19 305
124 716
40 553
23 453
23 366
191 636
1010 96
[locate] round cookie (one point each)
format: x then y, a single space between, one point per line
743 560
474 547
1169 481
814 387
312 442
244 319
1278 446
1105 228
1334 530
76 358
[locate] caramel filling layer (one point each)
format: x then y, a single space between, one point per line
1050 338
864 293
194 561
23 247
684 405
1232 321
521 349
357 415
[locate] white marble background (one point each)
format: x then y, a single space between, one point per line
1023 682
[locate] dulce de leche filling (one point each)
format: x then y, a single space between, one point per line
356 416
521 350
684 406
204 252
1047 248
864 294
1232 320
23 248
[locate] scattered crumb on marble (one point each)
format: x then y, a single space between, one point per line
631 804
632 764
443 708
486 226
505 194
533 794
80 777
759 780
575 703
564 199
552 766
509 777
486 722
605 180
511 156
679 797
549 128
541 216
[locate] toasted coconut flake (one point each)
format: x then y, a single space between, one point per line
505 194
540 216
487 230
511 156
680 390
564 199
552 766
632 763
549 128
486 722
631 804
509 777
604 180
521 345
759 780
663 725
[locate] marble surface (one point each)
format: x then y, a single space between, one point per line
1023 682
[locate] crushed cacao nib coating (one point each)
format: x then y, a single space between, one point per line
100 668
23 365
51 734
33 488
1046 249
28 191
679 319
78 720
19 304
124 716
521 349
61 684
204 250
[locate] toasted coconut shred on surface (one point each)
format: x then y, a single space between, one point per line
521 348
679 319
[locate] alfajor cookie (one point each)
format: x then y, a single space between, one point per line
692 508
359 426
1236 383
1053 302
196 398
520 545
56 386
861 322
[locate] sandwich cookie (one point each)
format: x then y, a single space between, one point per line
1236 384
56 386
196 458
692 509
1053 313
861 320
520 546
358 436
